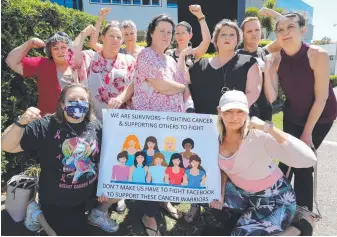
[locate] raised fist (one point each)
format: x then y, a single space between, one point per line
37 43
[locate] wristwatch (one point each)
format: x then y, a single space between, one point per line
201 18
17 123
267 125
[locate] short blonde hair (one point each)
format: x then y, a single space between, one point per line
249 19
172 140
229 23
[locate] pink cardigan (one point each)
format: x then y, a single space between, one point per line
252 167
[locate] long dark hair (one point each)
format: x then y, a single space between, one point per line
140 153
198 159
176 156
59 114
151 139
153 24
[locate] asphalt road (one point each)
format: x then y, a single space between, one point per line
327 183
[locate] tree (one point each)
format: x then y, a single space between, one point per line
252 12
267 23
326 40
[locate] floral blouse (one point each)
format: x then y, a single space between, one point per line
150 65
107 78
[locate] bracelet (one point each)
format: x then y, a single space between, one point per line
201 18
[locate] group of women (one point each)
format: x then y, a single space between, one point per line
75 85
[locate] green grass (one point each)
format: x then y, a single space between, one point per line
278 120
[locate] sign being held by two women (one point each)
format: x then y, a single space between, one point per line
159 156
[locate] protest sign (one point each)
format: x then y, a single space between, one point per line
159 156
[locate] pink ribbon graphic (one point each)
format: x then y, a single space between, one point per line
63 178
57 135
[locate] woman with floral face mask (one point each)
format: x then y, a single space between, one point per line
67 145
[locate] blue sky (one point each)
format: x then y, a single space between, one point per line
325 15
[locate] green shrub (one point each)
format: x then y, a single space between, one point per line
333 79
252 12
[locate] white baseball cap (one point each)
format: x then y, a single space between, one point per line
233 100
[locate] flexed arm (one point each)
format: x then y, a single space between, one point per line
15 57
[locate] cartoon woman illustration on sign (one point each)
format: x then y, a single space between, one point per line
169 148
131 145
150 148
139 170
195 175
121 172
157 168
174 173
76 159
188 145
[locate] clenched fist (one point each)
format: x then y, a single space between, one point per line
30 115
36 43
196 10
104 12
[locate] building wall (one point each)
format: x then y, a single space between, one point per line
140 14
331 48
255 3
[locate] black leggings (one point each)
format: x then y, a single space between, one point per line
66 220
303 183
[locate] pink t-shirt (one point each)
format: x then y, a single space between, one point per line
120 173
150 65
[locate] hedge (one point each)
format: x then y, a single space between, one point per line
20 21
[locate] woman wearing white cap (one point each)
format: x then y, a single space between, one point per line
251 182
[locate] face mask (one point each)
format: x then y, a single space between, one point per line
76 109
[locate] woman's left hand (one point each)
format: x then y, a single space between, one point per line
102 198
196 10
187 51
307 139
217 204
256 123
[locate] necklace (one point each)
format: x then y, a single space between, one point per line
224 89
73 131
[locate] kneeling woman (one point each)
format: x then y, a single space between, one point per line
67 145
251 181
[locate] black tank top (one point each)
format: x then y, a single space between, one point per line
207 82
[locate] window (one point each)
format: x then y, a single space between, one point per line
172 3
129 2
